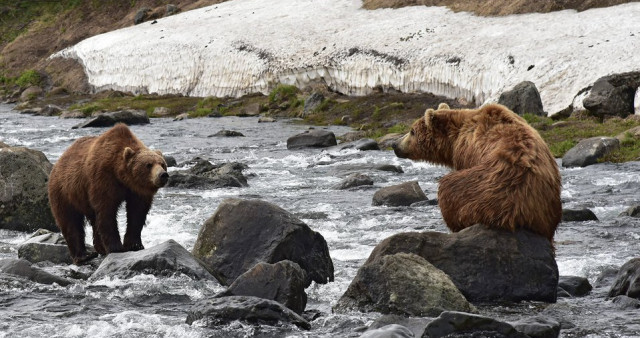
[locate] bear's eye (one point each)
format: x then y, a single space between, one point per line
412 132
149 165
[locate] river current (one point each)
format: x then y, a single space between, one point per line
302 183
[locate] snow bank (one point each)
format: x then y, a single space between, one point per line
246 46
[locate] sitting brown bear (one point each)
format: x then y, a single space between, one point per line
504 174
92 179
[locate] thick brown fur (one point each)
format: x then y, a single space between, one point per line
92 179
504 173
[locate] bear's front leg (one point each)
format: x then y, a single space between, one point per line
137 209
107 228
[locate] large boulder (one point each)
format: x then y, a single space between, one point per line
523 98
164 259
48 246
205 175
31 93
587 152
128 117
403 194
627 282
613 95
389 331
538 327
243 233
283 282
362 145
402 284
312 139
312 102
459 324
486 265
578 215
574 286
220 311
24 201
354 180
22 268
393 323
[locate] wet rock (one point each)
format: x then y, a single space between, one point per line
50 110
161 112
243 233
575 286
352 136
205 175
362 145
354 180
313 101
312 139
389 331
251 110
633 211
128 117
73 114
399 195
49 246
606 277
22 268
227 133
266 119
538 327
627 282
587 152
459 324
626 303
523 98
283 282
387 141
416 325
402 284
30 93
506 266
164 259
171 161
613 95
181 117
220 311
580 215
24 201
389 167
31 111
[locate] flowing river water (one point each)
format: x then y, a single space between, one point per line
302 183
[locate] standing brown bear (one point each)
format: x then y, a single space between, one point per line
504 174
92 179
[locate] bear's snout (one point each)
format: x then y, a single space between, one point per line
163 178
397 149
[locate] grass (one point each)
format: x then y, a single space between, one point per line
148 103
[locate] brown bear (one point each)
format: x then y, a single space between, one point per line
92 179
504 174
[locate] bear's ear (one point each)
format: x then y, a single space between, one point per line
158 152
428 116
443 106
128 154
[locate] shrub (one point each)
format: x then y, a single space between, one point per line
28 78
283 93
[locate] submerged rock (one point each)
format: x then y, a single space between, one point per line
399 195
283 282
460 324
220 311
506 266
227 133
312 139
538 327
243 233
22 268
164 259
402 284
24 201
354 180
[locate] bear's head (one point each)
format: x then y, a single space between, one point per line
430 138
147 167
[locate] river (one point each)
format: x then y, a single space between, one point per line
302 183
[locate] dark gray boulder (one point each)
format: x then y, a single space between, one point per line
227 133
416 325
312 139
243 233
402 284
575 286
220 311
142 15
626 303
362 145
24 201
128 117
587 152
399 195
523 98
354 180
538 327
506 266
22 268
205 175
578 215
613 95
389 331
49 246
283 282
627 282
164 259
50 110
633 211
459 324
313 101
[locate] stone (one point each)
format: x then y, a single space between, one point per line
312 139
588 151
626 303
30 93
161 112
523 98
128 117
141 16
50 110
538 327
49 246
205 175
283 282
266 119
22 268
506 266
181 117
575 286
220 311
313 101
73 114
227 133
399 195
24 200
459 324
416 325
579 215
613 95
633 211
362 145
354 180
387 141
164 259
627 282
389 331
172 9
402 284
274 235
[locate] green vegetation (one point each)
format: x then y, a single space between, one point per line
19 14
284 93
28 78
175 104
